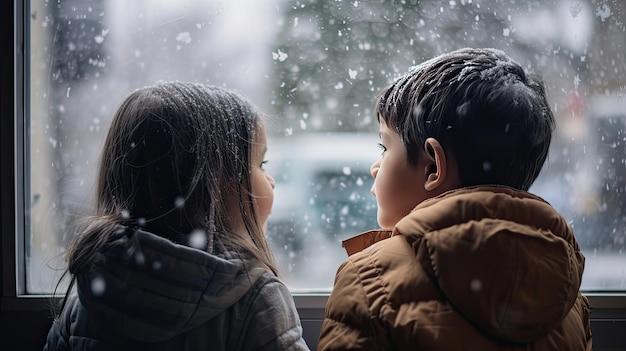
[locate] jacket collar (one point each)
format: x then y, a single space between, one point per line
364 240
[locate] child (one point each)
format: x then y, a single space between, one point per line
175 257
471 260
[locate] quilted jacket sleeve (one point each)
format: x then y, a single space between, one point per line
57 339
586 315
349 323
273 322
59 333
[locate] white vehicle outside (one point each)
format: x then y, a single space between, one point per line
322 196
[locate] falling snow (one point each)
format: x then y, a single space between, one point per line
98 286
184 37
198 239
75 90
476 285
179 201
279 55
603 12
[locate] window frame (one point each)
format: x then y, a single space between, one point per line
608 308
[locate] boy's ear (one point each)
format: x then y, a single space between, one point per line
436 164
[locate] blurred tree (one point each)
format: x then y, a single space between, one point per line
77 55
606 125
607 50
332 58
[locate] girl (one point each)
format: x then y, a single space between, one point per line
175 256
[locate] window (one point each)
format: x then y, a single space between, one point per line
315 67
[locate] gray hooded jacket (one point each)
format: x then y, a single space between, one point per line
149 293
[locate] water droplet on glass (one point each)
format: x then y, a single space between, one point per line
279 55
603 11
184 37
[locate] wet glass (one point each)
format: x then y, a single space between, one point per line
315 68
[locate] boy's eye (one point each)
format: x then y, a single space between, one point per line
382 147
264 163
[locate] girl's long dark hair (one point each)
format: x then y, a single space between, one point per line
176 159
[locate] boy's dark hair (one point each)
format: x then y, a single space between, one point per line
484 109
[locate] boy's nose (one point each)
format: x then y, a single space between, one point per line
374 172
374 168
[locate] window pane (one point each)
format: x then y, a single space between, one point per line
316 67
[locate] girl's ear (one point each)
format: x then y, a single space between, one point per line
436 165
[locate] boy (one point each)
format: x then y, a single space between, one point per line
471 261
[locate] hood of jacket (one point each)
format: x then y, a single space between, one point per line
150 289
505 259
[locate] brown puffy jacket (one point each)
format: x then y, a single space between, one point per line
483 268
